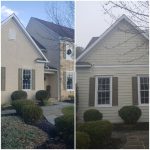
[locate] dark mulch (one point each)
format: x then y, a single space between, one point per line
131 127
68 101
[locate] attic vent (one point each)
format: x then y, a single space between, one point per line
12 34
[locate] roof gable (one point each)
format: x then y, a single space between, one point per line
61 30
93 42
15 18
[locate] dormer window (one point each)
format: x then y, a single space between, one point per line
69 52
12 34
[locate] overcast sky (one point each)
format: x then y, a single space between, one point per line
90 21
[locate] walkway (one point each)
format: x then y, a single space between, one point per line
54 111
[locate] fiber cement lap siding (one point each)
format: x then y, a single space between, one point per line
112 50
19 53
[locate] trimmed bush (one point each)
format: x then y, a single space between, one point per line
99 132
92 115
31 113
18 95
82 140
19 104
130 114
65 126
43 96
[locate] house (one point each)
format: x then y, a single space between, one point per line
58 42
113 71
22 61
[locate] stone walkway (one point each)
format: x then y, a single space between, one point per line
137 140
54 111
8 112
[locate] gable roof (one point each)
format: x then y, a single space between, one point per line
93 43
15 18
61 30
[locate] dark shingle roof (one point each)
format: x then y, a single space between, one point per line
93 39
61 30
38 44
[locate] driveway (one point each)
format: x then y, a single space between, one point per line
54 111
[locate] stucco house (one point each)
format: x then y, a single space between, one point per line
22 61
58 43
113 71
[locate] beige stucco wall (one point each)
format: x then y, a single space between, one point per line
110 52
19 53
65 65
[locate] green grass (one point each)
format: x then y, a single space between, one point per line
69 110
15 134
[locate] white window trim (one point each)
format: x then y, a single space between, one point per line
139 93
96 88
31 80
71 48
72 79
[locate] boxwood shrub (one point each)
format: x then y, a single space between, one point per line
99 132
130 114
42 95
92 115
19 104
65 127
82 140
31 113
18 95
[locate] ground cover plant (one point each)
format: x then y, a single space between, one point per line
15 134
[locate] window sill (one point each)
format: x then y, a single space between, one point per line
143 105
103 105
69 90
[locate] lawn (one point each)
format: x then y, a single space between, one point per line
68 110
15 134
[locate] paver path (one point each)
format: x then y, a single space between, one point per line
137 140
54 111
8 112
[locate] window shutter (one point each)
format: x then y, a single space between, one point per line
134 91
64 79
91 91
3 78
64 50
33 79
19 79
115 91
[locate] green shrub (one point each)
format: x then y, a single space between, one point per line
82 140
92 115
31 113
130 114
99 132
42 95
65 126
19 104
18 95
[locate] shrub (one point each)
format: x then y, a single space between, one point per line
65 126
82 140
31 113
130 114
18 95
99 132
19 104
42 95
92 115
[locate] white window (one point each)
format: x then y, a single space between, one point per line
69 51
143 90
103 92
12 34
70 80
26 79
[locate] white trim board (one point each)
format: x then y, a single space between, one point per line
110 29
13 16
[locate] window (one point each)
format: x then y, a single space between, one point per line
103 91
12 34
69 52
26 79
143 86
70 80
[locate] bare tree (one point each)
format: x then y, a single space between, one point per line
138 11
61 13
